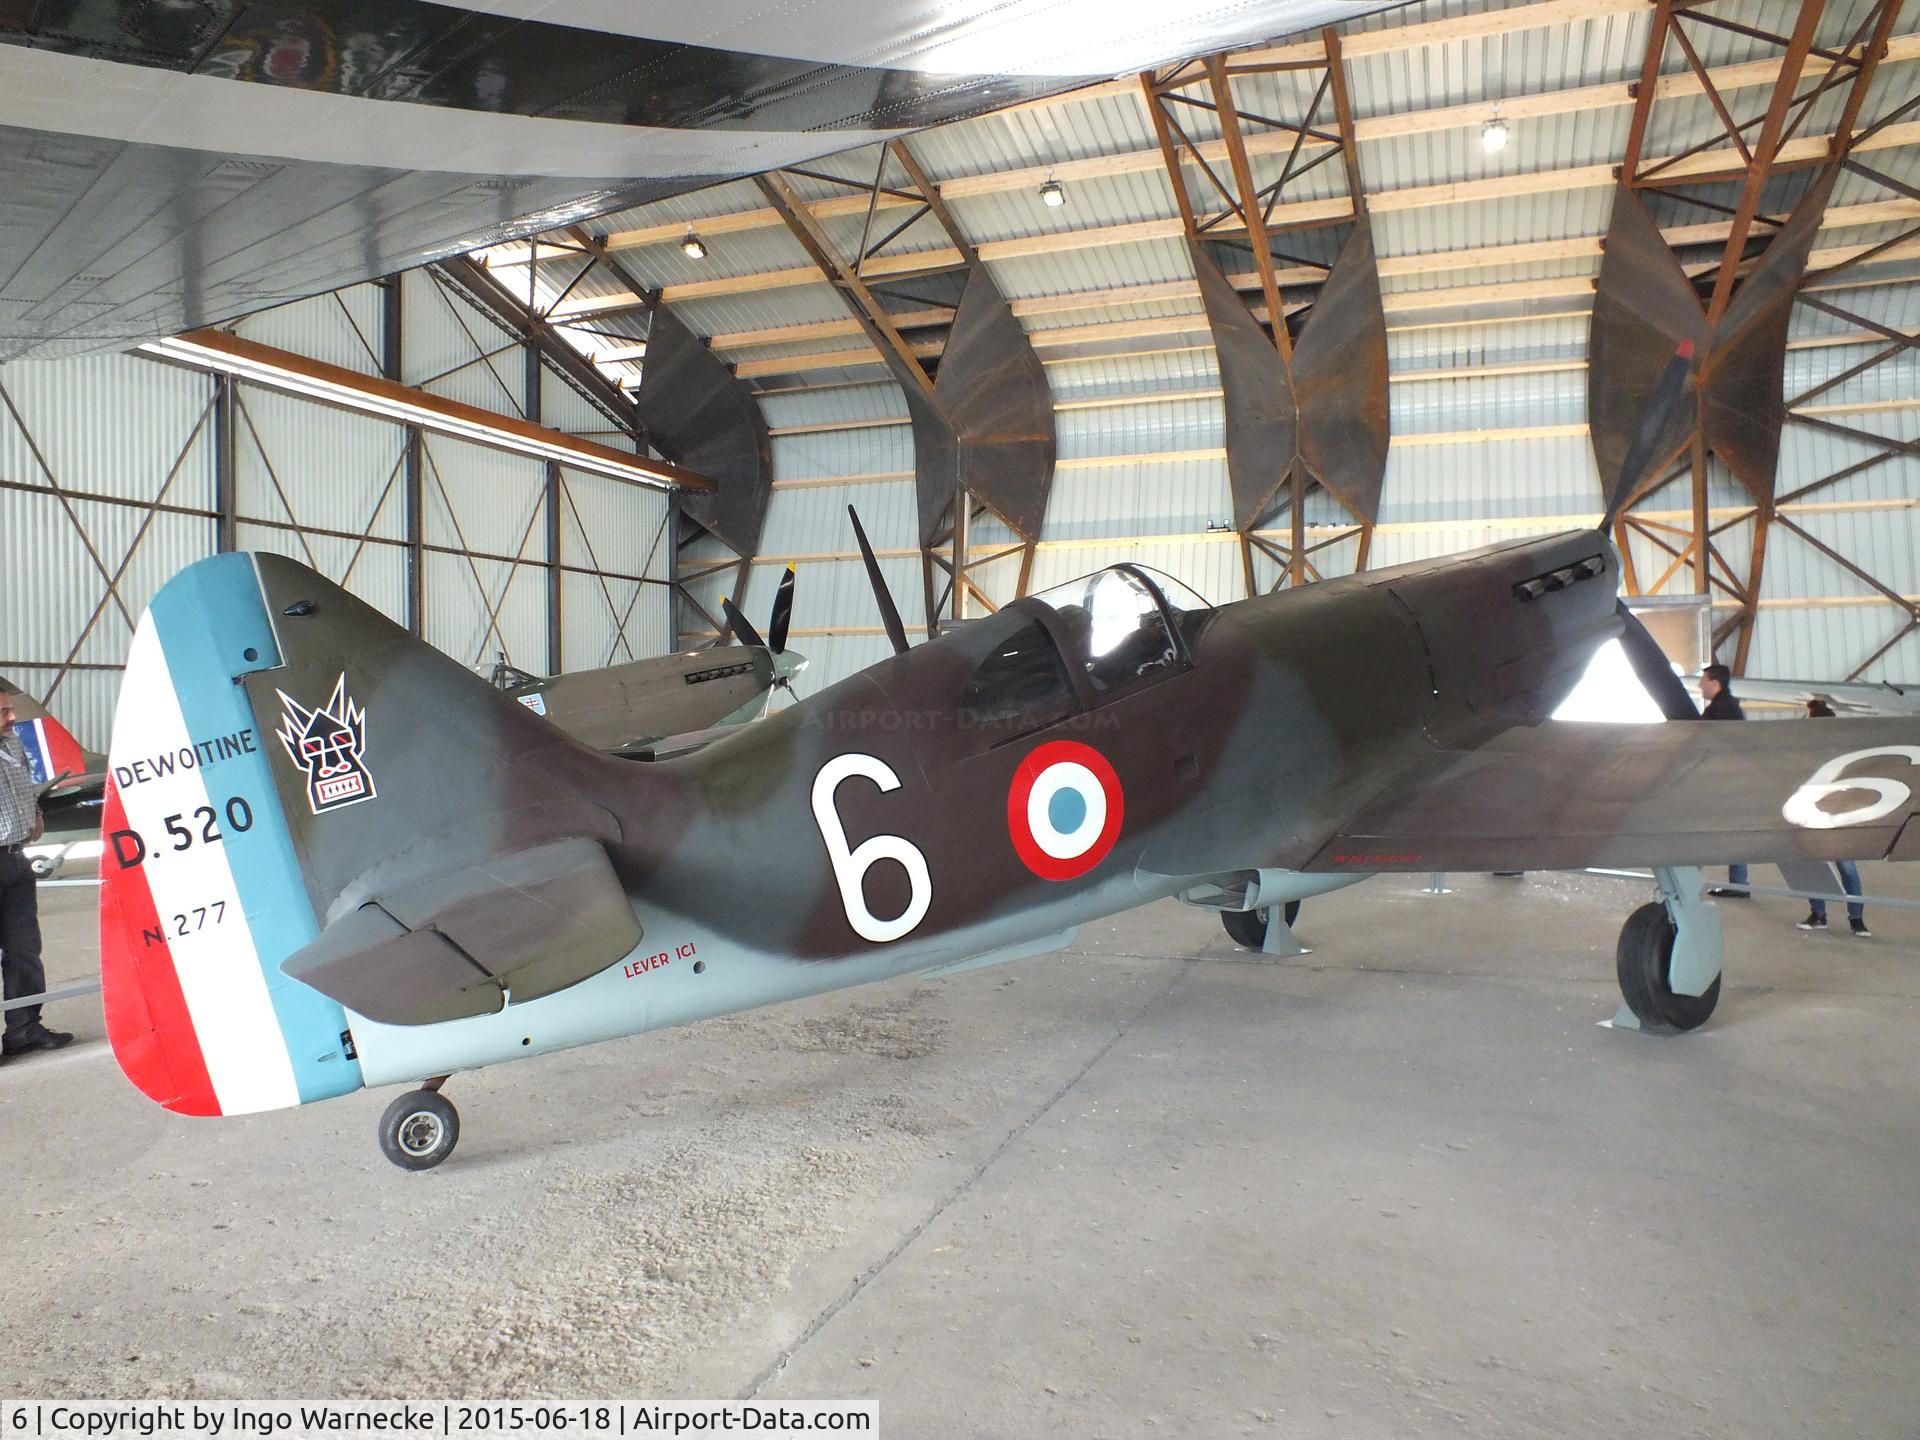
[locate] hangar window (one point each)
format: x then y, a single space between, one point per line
1023 676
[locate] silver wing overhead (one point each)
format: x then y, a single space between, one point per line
173 163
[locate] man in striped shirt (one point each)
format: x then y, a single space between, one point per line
20 967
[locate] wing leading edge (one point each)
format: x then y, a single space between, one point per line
1563 795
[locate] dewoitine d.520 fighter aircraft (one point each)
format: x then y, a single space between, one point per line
338 859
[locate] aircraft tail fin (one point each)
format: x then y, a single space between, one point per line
285 760
52 752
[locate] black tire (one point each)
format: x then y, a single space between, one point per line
1642 960
419 1130
1248 928
43 866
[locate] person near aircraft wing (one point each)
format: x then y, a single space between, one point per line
20 964
1849 872
1716 684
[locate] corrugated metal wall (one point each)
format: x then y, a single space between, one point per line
88 446
1487 343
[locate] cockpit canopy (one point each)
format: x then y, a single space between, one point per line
1117 628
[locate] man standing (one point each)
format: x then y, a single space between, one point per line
20 826
1849 871
1716 686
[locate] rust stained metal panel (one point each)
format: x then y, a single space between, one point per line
700 416
1340 379
1741 405
1643 309
989 426
1262 420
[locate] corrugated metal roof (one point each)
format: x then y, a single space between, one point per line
1171 498
1438 497
842 452
1164 425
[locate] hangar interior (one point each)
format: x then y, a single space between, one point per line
1403 1185
1487 265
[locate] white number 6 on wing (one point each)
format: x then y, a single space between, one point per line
850 866
1803 806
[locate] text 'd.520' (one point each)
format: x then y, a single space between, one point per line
199 826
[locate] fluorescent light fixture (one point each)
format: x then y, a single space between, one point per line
1493 135
694 246
1053 194
385 399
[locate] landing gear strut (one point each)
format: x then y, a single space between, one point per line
1668 958
420 1129
1248 928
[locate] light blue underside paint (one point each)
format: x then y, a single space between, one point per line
208 617
1066 811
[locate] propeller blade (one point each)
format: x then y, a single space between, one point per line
782 613
889 613
1668 391
743 631
1650 664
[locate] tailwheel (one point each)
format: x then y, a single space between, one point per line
1644 959
419 1129
1248 928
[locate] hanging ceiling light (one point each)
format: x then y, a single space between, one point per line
1493 135
1052 193
694 247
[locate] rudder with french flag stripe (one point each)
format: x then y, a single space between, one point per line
201 897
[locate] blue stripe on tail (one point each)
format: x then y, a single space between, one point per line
214 628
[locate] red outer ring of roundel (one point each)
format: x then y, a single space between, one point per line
1024 779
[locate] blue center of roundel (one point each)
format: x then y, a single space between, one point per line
1066 811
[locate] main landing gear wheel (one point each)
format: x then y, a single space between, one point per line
1248 928
1643 958
419 1130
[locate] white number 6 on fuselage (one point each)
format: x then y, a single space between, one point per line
1803 806
850 866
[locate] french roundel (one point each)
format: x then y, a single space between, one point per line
1064 809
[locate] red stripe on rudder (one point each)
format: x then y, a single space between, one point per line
64 755
148 1023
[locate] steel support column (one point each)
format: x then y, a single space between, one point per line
1731 296
393 352
226 463
694 410
983 428
1305 381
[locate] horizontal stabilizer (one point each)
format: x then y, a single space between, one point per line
507 930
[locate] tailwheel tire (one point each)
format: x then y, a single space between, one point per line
419 1130
1644 959
1248 928
43 866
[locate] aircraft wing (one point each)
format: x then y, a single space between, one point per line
173 165
1561 795
1860 697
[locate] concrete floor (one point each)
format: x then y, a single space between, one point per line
1403 1187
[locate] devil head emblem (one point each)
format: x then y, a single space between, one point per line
328 744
